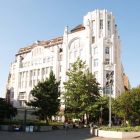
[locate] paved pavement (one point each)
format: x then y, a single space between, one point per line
72 134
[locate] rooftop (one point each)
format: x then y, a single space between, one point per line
80 27
46 43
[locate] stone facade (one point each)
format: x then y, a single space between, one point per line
96 41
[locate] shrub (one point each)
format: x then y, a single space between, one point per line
123 129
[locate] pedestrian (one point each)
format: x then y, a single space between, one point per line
91 128
66 127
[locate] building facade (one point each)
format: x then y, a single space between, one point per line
96 41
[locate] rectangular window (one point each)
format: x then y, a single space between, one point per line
33 82
34 72
25 84
48 59
60 78
43 71
21 95
27 74
101 23
60 68
31 73
108 25
107 61
95 62
13 77
107 50
44 60
22 74
75 53
19 84
60 50
70 55
37 81
38 72
60 58
51 68
93 39
80 52
47 70
30 83
95 50
96 74
52 59
12 95
70 64
51 48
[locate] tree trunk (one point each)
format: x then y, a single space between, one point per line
124 120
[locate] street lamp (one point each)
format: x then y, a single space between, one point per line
25 117
109 84
101 111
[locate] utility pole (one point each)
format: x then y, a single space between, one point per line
25 117
110 107
101 111
109 84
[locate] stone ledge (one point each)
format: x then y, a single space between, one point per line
116 134
45 128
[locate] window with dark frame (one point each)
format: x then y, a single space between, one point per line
101 23
107 50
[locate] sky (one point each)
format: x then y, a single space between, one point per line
22 22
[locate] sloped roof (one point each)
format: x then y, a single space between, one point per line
46 43
80 27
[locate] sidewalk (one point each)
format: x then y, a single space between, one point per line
101 138
71 134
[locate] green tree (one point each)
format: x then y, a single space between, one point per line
46 98
122 106
127 105
7 111
135 99
82 91
100 111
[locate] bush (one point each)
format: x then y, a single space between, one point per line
123 129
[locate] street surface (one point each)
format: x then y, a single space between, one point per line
71 134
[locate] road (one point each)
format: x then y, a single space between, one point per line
72 134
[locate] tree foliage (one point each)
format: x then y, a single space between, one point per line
46 98
101 110
127 105
7 111
82 91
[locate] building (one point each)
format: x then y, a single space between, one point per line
96 41
127 85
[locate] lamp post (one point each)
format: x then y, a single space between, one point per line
101 111
109 84
110 108
25 116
